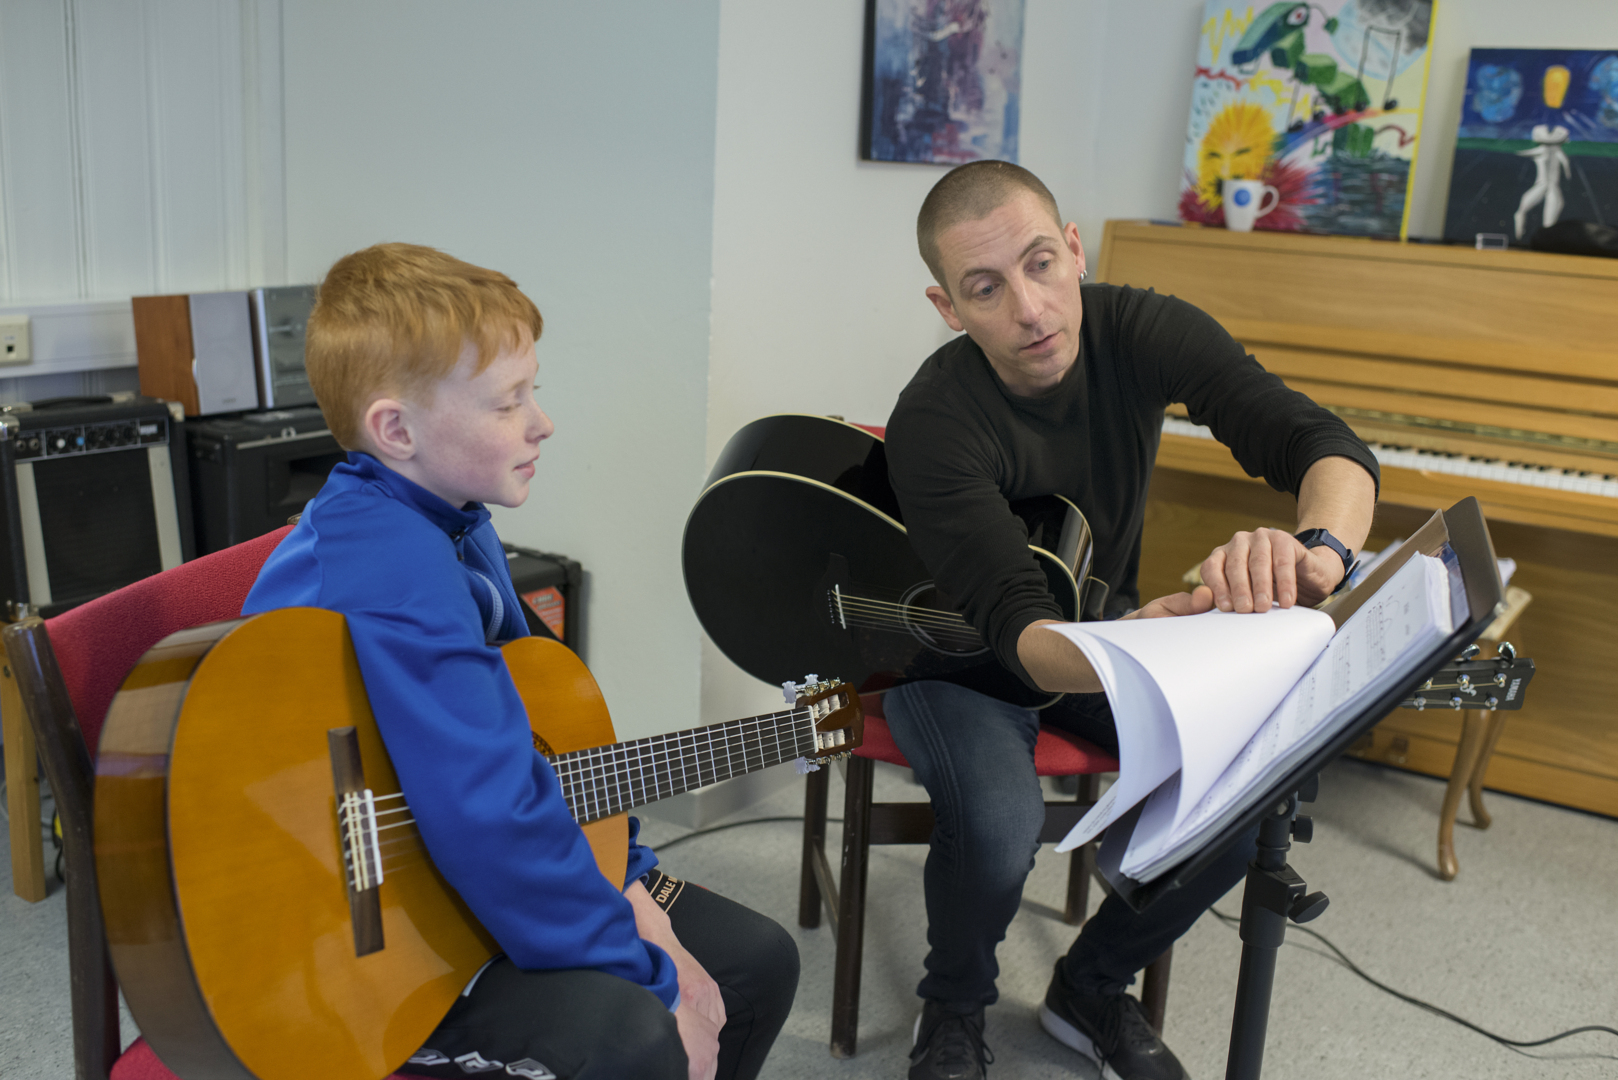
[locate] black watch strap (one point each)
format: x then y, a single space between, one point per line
1313 538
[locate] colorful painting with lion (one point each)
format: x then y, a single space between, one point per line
1322 100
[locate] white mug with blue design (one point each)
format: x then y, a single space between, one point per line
1245 203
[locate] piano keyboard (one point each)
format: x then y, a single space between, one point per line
1478 468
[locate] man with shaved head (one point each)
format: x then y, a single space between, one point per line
1056 389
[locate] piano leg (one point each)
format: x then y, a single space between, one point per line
1480 816
1474 725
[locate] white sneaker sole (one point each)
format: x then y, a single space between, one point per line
1074 1039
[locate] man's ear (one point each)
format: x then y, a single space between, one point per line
946 307
1071 235
386 428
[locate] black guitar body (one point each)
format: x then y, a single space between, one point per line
796 558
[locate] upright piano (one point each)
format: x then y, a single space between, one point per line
1485 373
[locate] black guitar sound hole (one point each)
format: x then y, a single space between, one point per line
936 626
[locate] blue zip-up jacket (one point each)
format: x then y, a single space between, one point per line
427 596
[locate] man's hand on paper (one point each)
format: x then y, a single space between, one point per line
1195 602
1255 568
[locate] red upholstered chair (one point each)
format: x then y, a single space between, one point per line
865 823
69 669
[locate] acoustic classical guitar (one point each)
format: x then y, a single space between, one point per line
270 909
796 553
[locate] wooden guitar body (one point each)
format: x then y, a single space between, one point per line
218 859
796 554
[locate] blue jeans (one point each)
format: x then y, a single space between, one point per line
975 756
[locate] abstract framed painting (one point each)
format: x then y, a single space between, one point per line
942 80
1537 145
1320 100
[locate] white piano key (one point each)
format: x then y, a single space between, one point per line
1458 465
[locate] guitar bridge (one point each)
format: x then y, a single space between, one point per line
362 851
361 856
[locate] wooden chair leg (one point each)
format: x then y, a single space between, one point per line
1466 757
845 997
1154 989
1083 863
22 794
1480 816
814 842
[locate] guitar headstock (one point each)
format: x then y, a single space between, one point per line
1496 683
834 706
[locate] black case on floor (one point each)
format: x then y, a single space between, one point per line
94 496
549 587
249 474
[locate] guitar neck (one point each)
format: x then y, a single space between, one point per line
607 780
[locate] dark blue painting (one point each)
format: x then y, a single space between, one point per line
1538 143
942 79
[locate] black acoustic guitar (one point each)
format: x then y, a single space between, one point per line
796 554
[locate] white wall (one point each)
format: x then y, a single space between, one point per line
818 301
1144 66
570 146
139 153
1463 25
678 186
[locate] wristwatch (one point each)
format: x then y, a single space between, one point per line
1313 538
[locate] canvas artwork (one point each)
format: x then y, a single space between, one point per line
942 80
1538 143
1320 100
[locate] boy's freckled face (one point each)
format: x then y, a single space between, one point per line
479 438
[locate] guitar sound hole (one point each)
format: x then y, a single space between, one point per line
935 625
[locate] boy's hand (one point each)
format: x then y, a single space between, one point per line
701 1012
700 1037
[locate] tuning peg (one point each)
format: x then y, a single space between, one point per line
1469 652
1507 651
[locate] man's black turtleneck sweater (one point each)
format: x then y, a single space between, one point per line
961 446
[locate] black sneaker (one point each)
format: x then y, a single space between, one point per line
1111 1031
949 1045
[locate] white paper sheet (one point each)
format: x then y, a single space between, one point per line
1383 640
1213 678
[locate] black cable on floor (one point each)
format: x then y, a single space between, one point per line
1515 1044
1232 920
734 824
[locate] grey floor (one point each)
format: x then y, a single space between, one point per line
1524 942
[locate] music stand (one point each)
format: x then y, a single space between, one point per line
1274 891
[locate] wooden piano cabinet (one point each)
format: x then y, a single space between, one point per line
1411 344
1563 746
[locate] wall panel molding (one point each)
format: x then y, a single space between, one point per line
141 148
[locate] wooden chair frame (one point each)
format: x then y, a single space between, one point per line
60 741
843 896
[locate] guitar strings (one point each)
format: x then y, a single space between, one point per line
909 613
597 778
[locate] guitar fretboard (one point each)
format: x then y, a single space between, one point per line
607 780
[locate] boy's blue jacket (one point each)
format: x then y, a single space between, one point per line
428 598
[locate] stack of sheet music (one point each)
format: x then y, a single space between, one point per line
1211 707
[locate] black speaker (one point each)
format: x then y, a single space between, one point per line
250 474
550 587
95 497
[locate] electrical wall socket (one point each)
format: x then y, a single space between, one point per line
16 346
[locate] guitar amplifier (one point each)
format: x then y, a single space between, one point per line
251 473
94 495
549 587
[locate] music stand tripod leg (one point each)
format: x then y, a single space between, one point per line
1274 894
